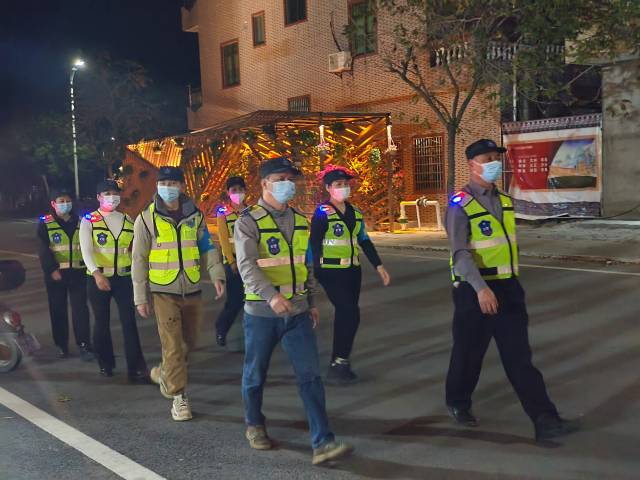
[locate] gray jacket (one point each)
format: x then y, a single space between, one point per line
143 235
246 238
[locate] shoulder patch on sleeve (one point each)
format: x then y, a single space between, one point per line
460 198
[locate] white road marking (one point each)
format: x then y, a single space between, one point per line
528 265
100 453
11 252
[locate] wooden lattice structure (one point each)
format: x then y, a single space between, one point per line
238 146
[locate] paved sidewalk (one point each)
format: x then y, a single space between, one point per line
601 241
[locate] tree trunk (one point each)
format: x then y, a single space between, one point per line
452 132
390 189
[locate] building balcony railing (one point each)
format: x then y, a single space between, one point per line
497 51
189 12
194 97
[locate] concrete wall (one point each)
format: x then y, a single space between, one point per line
621 139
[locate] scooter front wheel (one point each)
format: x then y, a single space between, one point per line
10 354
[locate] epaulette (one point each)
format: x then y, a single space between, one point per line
46 218
93 217
245 211
460 198
257 212
327 209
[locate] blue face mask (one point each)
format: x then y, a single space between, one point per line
64 208
283 191
491 171
168 194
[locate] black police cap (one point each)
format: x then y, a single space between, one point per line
106 186
233 181
482 146
171 173
277 165
57 192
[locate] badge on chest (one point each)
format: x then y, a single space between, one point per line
338 229
101 238
274 245
485 228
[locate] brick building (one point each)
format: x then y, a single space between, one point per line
274 55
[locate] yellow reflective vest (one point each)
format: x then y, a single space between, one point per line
230 217
66 251
112 254
283 262
174 248
492 242
340 245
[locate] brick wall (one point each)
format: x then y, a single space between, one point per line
294 62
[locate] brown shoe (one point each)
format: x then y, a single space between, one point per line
258 438
331 451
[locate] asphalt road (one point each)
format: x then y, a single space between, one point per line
584 330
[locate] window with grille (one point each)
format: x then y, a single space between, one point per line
294 11
428 163
230 64
299 104
258 27
362 19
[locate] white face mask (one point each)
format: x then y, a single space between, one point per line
109 202
63 208
237 198
341 193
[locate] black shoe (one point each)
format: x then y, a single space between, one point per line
86 355
140 377
463 417
340 374
221 340
548 426
106 372
63 352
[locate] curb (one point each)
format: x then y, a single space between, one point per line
548 256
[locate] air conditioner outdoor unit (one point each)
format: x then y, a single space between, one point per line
339 62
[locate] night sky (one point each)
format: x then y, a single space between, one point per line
40 38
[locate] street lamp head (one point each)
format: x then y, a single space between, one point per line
78 63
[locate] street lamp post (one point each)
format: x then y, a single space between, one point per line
79 63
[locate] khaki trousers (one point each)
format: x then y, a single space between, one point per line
178 325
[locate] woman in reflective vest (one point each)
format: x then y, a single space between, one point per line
337 234
64 278
227 216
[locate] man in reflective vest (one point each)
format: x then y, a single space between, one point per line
105 239
64 274
489 301
171 246
272 245
226 219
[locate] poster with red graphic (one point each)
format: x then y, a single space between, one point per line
554 172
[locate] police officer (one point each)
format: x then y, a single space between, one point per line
171 241
272 245
64 274
106 236
337 234
227 216
489 301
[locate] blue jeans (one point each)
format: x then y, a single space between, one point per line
298 340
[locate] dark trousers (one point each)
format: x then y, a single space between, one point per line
472 333
233 303
343 289
73 288
122 292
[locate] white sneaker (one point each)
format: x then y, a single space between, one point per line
181 410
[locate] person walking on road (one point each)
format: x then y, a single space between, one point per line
273 255
337 234
227 216
106 236
171 246
64 274
489 301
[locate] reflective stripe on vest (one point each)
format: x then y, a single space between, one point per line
173 249
492 243
340 245
231 221
65 251
112 255
282 263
